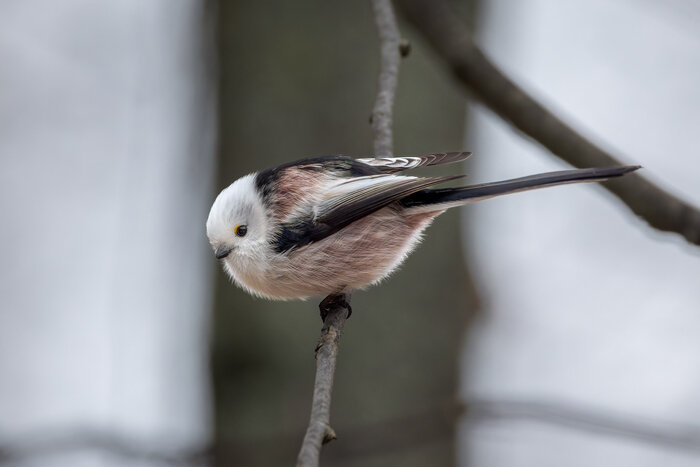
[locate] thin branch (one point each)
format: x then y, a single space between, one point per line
389 59
69 440
334 310
452 40
607 423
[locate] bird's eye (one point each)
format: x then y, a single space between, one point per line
241 230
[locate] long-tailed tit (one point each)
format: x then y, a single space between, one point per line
333 224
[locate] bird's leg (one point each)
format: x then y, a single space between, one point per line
334 301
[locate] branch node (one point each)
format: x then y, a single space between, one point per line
404 48
329 435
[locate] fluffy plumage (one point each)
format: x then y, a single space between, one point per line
335 224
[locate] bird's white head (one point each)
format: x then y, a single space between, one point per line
237 223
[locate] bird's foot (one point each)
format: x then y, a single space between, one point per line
332 302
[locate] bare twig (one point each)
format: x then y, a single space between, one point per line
452 40
390 57
335 310
95 439
649 431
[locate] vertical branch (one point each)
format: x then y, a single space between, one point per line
335 309
389 58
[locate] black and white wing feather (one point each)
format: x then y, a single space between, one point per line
397 164
346 201
353 199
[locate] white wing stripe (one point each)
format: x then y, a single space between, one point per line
393 162
396 164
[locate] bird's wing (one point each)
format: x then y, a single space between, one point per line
397 164
343 202
349 200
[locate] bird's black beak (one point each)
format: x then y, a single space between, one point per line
222 252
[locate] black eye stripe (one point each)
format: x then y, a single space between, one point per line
241 230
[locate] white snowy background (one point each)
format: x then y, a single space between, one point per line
584 306
106 160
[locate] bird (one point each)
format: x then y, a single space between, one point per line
331 225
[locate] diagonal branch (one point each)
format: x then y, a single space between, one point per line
335 309
452 40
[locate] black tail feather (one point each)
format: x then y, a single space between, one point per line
490 190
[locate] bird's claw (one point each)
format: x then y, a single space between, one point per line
332 302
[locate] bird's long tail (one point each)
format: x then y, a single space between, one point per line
448 197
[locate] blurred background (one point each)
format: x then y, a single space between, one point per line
548 328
